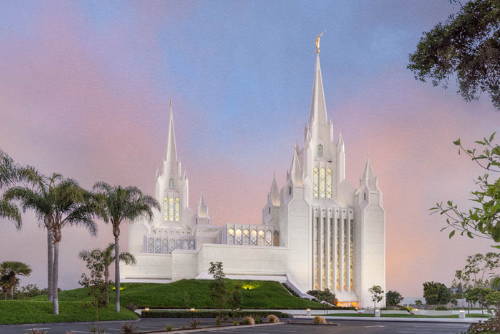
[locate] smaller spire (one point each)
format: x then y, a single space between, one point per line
340 143
202 208
369 179
274 195
296 169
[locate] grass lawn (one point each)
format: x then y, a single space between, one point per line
196 293
28 311
398 315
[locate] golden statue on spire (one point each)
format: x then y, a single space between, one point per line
317 42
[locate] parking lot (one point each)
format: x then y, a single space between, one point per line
344 327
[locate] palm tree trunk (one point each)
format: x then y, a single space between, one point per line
12 291
50 263
117 274
106 279
55 277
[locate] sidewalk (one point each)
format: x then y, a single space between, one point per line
381 319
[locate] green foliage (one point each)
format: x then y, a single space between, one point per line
477 295
377 294
95 282
490 326
218 288
9 276
483 220
478 271
268 295
436 293
493 299
24 312
116 205
235 298
323 295
418 302
393 298
209 314
467 47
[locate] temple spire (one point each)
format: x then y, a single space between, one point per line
171 158
275 193
318 117
202 207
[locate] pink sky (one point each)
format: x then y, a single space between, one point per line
66 105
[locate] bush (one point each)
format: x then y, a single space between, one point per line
490 326
319 320
128 329
194 324
258 319
441 308
218 320
131 307
168 328
236 323
272 318
208 314
248 320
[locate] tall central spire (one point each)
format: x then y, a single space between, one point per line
318 104
171 159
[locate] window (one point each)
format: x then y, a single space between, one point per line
322 182
320 151
364 196
171 184
172 208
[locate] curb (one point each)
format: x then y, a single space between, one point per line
71 323
388 319
214 329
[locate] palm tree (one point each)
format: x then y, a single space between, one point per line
57 202
109 257
119 204
9 272
10 173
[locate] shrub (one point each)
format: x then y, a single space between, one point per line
207 314
218 320
168 328
194 324
132 307
490 326
128 329
441 308
258 319
319 320
272 318
248 320
236 323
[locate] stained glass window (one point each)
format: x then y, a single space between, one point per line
172 209
322 182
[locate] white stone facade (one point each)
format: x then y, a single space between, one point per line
317 231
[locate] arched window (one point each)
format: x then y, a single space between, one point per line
171 183
320 151
364 196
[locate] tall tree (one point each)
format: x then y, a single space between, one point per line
466 46
108 257
9 275
393 298
117 205
436 293
57 202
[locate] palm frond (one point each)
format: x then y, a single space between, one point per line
11 212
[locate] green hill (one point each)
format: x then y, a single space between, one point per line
196 293
29 311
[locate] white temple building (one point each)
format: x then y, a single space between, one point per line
317 231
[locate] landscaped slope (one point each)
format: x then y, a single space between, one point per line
28 311
196 293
